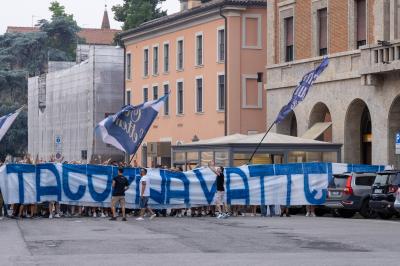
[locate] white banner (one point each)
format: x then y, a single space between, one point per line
90 185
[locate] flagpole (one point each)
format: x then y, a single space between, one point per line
259 144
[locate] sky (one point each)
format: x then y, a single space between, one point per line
88 13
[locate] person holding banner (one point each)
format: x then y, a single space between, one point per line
120 185
144 188
219 200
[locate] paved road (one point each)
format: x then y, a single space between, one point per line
200 241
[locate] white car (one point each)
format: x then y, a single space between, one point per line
397 201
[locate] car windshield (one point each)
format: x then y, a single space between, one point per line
338 181
384 179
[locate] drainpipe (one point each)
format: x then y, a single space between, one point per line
124 85
226 69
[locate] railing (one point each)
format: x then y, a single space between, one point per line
378 59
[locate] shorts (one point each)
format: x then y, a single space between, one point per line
118 199
143 202
219 198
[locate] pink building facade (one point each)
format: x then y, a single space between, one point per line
188 55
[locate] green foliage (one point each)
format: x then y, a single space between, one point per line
134 12
58 10
23 51
61 38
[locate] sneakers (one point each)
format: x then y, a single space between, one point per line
57 215
139 219
153 216
51 216
124 219
113 218
313 215
220 216
308 214
103 215
94 215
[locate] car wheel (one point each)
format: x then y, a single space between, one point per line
346 213
366 210
335 213
385 216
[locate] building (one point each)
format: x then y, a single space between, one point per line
103 36
357 100
211 56
237 149
65 105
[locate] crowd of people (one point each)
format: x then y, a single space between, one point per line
120 184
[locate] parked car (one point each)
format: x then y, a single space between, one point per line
349 193
384 193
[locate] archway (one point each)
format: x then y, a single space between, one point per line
393 128
358 133
288 126
321 114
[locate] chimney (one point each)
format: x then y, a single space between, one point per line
189 4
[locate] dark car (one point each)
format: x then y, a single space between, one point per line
384 193
349 193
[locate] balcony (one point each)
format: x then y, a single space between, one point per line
342 66
380 59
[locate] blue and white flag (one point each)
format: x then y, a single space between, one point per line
301 90
126 129
6 122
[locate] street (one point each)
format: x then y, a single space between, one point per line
297 240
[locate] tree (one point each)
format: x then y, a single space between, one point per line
62 32
134 12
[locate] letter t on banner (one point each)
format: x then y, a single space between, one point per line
126 129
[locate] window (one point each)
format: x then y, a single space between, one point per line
199 95
221 45
145 94
322 31
128 66
166 57
179 88
128 97
146 62
288 23
251 31
155 92
221 92
155 60
361 9
179 54
199 49
166 102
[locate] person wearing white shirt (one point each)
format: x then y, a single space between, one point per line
144 190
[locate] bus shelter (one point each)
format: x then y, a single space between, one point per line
236 150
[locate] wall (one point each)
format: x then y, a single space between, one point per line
70 110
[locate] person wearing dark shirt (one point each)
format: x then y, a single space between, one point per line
219 200
119 186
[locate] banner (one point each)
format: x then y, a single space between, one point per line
126 129
90 185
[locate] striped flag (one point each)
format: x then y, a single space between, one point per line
6 122
302 89
126 129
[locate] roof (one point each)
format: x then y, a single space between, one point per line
98 36
192 11
14 29
92 36
271 138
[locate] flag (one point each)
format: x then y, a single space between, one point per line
301 90
126 129
6 122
